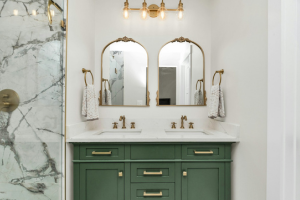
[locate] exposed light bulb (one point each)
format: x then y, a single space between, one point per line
125 13
144 14
162 14
33 12
180 14
16 12
52 13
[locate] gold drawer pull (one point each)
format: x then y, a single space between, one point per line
203 152
153 173
101 153
153 194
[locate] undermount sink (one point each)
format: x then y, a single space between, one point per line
183 132
112 132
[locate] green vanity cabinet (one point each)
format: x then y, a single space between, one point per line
152 171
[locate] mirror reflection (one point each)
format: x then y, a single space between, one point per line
124 74
181 74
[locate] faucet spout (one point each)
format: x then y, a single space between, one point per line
123 118
182 121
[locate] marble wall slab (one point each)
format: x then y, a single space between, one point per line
32 136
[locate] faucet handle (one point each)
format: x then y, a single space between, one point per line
115 125
132 125
191 125
173 125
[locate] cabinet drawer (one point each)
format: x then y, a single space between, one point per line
152 191
152 151
152 172
205 152
102 152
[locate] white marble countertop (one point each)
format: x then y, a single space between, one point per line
153 135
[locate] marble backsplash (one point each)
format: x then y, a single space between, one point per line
31 137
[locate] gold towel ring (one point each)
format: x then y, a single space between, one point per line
200 83
85 71
220 72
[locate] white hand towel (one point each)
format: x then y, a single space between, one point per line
106 97
198 97
216 108
89 103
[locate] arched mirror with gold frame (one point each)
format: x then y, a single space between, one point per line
181 74
124 74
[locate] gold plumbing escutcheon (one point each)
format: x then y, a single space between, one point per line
9 100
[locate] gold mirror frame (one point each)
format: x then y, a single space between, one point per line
181 40
125 39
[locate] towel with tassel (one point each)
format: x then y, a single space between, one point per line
89 103
198 97
106 97
216 108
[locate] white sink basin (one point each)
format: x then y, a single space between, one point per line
113 132
196 132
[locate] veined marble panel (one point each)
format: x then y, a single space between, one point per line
31 137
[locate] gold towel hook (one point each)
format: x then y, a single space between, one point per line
85 71
200 83
220 73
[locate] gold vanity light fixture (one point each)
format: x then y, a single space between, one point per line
153 10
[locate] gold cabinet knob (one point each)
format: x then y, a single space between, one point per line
120 174
115 125
184 173
173 125
132 125
191 125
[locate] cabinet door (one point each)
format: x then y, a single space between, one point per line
203 181
101 181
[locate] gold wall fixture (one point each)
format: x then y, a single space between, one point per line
85 71
51 14
181 40
220 72
153 10
124 39
9 100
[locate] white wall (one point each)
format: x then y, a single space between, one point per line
153 34
239 46
80 54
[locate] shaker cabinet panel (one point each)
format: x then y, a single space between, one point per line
203 181
101 181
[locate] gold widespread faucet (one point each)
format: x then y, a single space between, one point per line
123 118
183 118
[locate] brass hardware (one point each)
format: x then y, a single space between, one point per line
101 153
220 73
153 10
51 2
153 194
173 125
63 25
200 83
115 125
120 174
85 71
182 123
180 40
184 173
9 100
132 125
191 125
203 152
106 81
124 39
153 173
123 118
